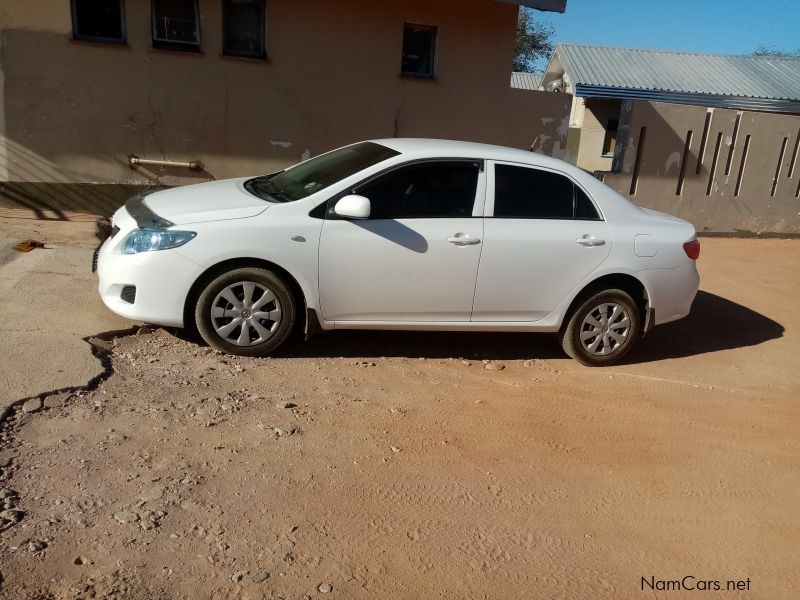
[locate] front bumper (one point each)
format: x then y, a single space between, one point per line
161 281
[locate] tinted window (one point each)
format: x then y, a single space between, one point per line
424 190
525 193
318 173
244 28
176 25
419 47
584 209
98 20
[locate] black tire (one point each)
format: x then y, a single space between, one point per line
570 334
281 310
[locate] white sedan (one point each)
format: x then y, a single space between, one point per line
408 234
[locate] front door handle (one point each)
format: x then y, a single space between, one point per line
590 241
461 239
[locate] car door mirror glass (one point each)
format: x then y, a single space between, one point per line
352 207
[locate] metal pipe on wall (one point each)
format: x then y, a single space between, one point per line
134 161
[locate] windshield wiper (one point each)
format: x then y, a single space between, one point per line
272 190
262 186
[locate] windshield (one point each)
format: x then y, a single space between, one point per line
318 173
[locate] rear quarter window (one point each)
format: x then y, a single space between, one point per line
585 209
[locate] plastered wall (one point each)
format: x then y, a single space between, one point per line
739 169
72 112
596 114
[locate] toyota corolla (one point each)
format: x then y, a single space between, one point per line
404 234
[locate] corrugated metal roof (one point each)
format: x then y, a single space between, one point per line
526 81
765 77
544 5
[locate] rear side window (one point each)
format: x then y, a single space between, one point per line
424 190
527 193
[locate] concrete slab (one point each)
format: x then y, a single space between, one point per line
48 303
45 361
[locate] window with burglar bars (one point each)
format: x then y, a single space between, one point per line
100 21
176 25
244 28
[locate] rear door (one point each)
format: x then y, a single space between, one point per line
542 236
416 257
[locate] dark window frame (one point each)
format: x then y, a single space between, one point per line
575 188
434 49
353 189
263 54
178 46
121 41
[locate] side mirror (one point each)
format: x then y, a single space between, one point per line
352 207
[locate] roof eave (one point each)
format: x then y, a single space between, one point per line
694 99
558 6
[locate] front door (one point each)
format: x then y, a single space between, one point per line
415 259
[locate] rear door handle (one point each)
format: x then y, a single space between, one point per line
589 241
463 240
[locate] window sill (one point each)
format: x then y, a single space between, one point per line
412 77
100 42
175 51
261 60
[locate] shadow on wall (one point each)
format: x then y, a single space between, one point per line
651 150
715 324
55 201
36 184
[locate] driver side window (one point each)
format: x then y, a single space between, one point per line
424 190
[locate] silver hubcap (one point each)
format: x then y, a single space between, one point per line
605 329
246 313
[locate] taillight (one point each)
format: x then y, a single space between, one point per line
692 249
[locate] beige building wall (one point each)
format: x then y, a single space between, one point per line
74 111
724 170
596 114
3 166
587 130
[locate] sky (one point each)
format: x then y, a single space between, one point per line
716 26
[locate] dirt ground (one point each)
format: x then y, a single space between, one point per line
391 465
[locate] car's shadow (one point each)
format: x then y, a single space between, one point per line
714 324
425 344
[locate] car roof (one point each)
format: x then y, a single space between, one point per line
425 147
411 148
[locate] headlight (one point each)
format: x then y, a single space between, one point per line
145 240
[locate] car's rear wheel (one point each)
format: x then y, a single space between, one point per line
247 311
603 329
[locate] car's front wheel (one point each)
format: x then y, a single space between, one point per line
247 311
603 329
